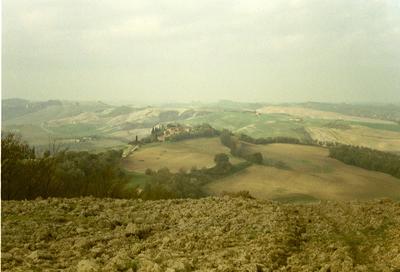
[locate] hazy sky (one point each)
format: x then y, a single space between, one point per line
262 50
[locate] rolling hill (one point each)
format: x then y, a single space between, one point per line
182 155
113 126
310 174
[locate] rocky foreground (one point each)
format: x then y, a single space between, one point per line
210 234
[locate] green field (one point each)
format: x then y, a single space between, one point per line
137 179
265 125
76 130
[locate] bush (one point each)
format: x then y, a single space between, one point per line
222 164
232 143
221 158
165 185
271 140
242 194
367 158
63 174
256 158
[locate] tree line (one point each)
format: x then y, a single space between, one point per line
367 158
271 140
239 149
26 175
187 184
198 131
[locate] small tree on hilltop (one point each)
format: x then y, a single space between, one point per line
222 163
221 159
256 158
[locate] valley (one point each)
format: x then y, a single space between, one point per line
310 175
97 126
176 156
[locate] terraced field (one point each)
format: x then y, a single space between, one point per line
312 175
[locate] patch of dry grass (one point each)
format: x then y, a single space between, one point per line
177 155
312 173
360 136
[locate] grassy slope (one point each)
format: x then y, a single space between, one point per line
176 155
312 174
384 140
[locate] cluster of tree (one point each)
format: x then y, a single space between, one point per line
241 194
276 163
238 149
230 141
270 140
367 158
26 175
179 133
304 135
157 131
153 137
166 185
326 143
256 158
199 131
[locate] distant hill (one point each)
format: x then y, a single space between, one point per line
111 126
12 108
17 110
310 174
390 112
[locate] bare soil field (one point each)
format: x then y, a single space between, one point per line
312 175
176 155
360 136
209 234
306 112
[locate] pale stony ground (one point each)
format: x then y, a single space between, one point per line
210 234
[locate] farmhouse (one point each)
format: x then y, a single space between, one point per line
173 129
